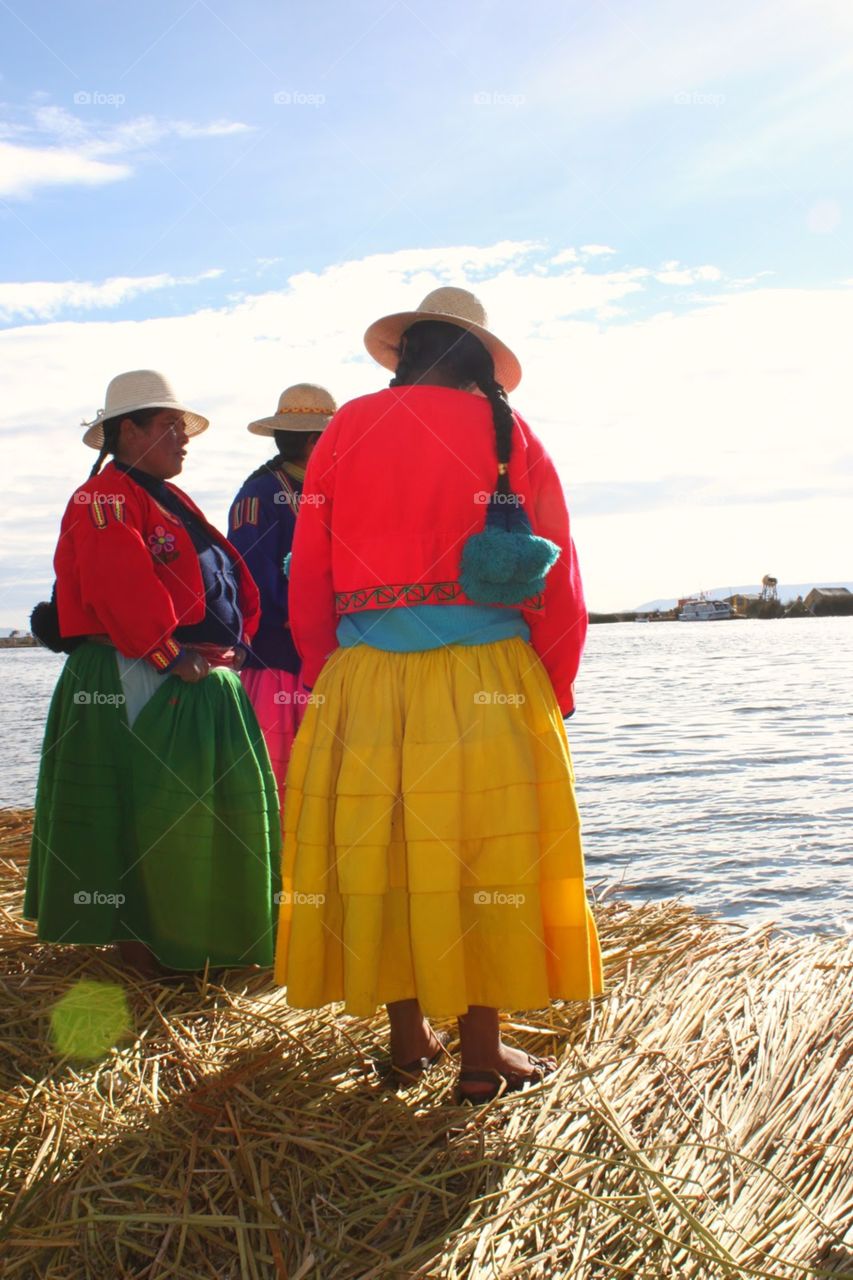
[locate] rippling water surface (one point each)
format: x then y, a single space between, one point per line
714 762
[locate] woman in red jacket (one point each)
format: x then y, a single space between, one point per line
432 856
156 812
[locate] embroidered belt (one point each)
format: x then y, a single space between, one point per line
412 593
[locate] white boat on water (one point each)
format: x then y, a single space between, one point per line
698 609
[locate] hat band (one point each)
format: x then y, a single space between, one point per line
327 412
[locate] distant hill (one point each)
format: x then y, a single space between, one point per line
787 591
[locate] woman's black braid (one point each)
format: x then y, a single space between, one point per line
503 420
111 430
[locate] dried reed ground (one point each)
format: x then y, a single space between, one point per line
700 1125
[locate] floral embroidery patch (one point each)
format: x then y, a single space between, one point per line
161 544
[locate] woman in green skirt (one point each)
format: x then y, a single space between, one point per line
157 823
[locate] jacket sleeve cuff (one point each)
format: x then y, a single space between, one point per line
165 656
567 703
311 668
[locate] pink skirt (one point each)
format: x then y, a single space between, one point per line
279 699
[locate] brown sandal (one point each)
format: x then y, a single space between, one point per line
501 1084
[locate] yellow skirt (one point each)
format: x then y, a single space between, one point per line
431 837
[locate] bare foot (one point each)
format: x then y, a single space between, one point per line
412 1038
483 1052
141 959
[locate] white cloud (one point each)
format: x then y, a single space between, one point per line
144 132
45 299
673 274
596 250
24 169
704 446
79 150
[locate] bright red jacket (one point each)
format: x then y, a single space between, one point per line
397 483
127 568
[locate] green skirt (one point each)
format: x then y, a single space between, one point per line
165 833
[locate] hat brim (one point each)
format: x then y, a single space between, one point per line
193 422
290 422
383 338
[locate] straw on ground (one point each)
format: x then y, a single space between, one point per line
700 1124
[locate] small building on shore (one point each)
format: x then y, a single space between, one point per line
824 601
741 603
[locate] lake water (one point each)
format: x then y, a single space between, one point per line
714 762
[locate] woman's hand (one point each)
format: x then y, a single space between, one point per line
240 655
190 667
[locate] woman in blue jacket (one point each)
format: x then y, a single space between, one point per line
261 525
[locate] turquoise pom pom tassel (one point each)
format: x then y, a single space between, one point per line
506 563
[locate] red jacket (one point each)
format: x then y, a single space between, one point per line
127 568
397 483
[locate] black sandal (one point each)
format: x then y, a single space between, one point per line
501 1084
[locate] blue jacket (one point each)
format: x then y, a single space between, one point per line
261 524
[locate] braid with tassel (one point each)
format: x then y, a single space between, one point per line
504 422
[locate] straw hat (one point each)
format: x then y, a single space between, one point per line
141 389
456 306
302 407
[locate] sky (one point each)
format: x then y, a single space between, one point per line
652 200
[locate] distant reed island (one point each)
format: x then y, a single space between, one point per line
18 640
763 602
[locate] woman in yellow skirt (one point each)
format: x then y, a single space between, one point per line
432 857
